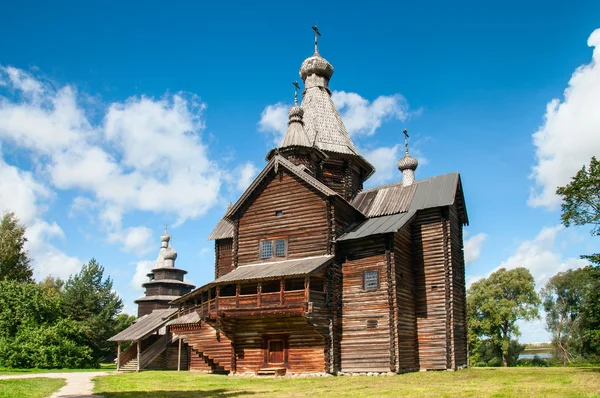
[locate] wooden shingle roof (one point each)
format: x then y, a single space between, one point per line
145 325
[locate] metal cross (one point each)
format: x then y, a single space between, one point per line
405 131
317 34
166 226
296 92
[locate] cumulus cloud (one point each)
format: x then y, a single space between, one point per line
569 136
245 175
273 121
144 154
362 117
385 160
133 239
142 268
472 247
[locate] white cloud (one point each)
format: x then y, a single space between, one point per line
570 134
133 239
472 247
385 160
542 257
146 154
142 268
273 121
245 175
362 117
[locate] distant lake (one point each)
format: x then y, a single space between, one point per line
542 355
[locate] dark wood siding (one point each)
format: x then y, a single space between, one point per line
430 257
304 220
342 175
405 287
223 257
458 291
365 345
306 347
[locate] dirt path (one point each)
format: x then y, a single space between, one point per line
79 384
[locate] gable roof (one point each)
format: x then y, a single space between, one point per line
443 190
276 162
145 325
379 225
223 230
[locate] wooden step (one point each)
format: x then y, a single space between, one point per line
271 372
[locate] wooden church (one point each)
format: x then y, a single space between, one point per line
314 274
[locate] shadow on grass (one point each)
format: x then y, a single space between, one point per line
594 370
220 392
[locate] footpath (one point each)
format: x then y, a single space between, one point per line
79 384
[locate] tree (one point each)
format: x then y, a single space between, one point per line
14 259
90 300
33 331
495 304
581 201
563 297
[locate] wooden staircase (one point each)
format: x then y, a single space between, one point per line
130 366
211 346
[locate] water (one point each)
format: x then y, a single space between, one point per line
542 355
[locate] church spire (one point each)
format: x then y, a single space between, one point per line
295 134
407 165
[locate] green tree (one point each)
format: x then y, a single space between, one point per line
88 298
34 332
14 259
581 201
495 304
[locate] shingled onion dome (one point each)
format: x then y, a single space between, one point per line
407 165
296 147
316 71
164 239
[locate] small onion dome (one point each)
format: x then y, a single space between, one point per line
408 163
295 114
316 65
165 237
170 254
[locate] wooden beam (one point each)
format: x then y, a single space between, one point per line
118 356
179 356
139 352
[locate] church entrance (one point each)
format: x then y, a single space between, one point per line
275 354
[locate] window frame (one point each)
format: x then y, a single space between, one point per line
364 281
274 256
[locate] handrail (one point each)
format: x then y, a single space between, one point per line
129 354
153 351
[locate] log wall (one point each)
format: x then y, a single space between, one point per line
342 175
459 310
223 257
365 341
429 238
306 352
304 220
407 350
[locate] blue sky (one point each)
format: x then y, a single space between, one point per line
119 117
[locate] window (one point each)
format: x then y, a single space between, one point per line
371 323
170 292
266 249
371 280
280 247
273 248
279 213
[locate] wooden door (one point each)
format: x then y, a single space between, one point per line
275 355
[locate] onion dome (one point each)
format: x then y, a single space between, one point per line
165 238
316 65
170 254
295 134
407 165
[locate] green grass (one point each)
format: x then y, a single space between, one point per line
104 367
30 388
479 382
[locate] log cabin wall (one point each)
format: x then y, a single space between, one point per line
146 307
365 341
303 222
407 350
342 175
431 265
459 310
306 347
168 274
223 257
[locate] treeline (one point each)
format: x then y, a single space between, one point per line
53 324
571 299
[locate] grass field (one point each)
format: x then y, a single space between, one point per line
105 367
477 382
30 388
